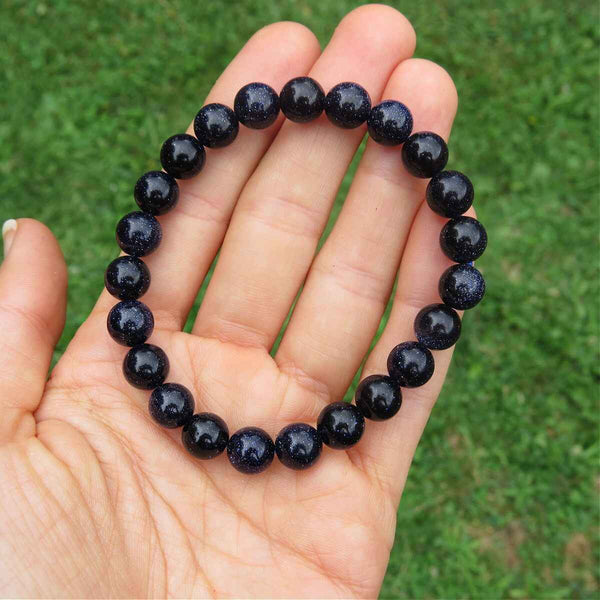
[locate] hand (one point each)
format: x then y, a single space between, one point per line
95 499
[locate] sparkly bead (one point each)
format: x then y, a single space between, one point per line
390 123
182 156
347 105
156 192
450 194
410 364
424 154
298 446
256 105
378 397
250 450
146 366
127 278
171 405
437 326
461 286
205 435
138 233
463 239
130 323
340 425
216 125
302 99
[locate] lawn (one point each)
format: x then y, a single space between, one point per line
502 500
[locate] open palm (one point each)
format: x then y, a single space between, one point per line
95 499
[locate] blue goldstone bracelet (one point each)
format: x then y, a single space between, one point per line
410 364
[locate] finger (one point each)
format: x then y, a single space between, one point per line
284 208
33 285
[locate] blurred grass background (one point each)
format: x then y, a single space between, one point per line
502 500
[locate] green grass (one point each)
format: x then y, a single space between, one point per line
502 500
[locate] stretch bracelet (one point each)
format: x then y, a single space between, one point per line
410 364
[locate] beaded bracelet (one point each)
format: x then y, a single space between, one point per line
410 364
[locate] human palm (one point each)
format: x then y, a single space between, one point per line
95 499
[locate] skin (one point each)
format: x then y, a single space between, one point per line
98 501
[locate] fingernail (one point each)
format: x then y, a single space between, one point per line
8 234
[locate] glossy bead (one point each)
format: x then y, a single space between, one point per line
146 366
463 239
250 450
216 125
347 105
156 192
378 397
182 156
410 364
461 286
450 194
298 446
302 99
256 105
127 278
205 435
437 326
171 405
390 123
138 233
340 425
130 322
424 154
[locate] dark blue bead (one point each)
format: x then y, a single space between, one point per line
390 123
411 364
463 239
340 425
256 105
347 105
424 154
138 233
130 323
461 286
450 194
171 405
437 326
250 450
205 435
378 397
156 192
216 125
298 446
146 366
302 99
127 278
182 156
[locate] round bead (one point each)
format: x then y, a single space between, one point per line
437 326
250 450
450 194
256 105
146 366
410 364
156 192
127 278
302 99
424 154
182 156
461 286
340 425
138 233
463 239
130 322
298 446
347 105
390 123
216 125
378 397
171 405
205 435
